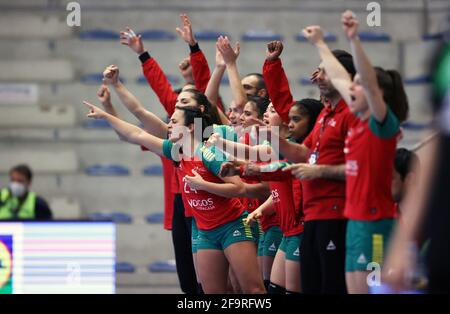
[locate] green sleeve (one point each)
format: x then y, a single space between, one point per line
167 149
226 132
386 129
212 158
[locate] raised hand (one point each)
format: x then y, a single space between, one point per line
229 54
186 70
130 39
274 50
94 111
349 24
313 33
220 63
111 75
104 95
185 31
213 140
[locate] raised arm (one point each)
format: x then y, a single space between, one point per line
212 90
276 80
131 133
339 77
230 56
104 96
152 71
367 74
152 124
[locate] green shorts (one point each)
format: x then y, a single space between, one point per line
291 247
194 236
366 242
270 241
223 236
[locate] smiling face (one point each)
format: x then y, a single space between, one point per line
298 123
185 99
249 113
358 103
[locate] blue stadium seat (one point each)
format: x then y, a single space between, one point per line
116 217
95 78
422 79
265 36
107 170
168 266
125 267
328 37
209 35
414 126
96 124
155 218
153 170
434 36
99 34
374 37
173 79
304 80
225 81
157 34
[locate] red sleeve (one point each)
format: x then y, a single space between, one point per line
277 86
308 140
297 192
201 73
160 85
200 70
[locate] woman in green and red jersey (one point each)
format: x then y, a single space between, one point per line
285 198
379 101
224 240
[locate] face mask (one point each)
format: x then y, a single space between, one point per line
17 189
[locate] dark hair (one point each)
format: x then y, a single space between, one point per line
210 110
404 162
191 113
346 60
390 81
24 170
311 108
260 84
261 104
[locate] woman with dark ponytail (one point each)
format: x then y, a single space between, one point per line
223 239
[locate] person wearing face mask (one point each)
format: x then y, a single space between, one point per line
18 202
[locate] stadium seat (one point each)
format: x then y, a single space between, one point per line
152 170
168 266
116 217
374 37
434 36
173 79
107 170
422 79
99 34
209 35
96 124
156 218
328 37
305 80
157 34
225 81
95 78
265 36
125 267
416 126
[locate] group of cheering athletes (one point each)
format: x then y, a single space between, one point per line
311 219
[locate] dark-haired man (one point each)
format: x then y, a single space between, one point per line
17 201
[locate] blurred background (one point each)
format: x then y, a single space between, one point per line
47 68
